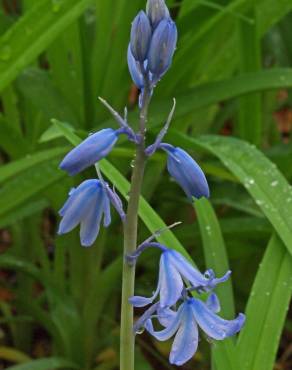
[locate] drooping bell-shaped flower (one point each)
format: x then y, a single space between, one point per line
162 48
86 205
90 151
174 269
184 323
140 36
187 173
157 11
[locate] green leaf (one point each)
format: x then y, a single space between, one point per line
216 92
40 25
267 308
216 258
22 212
215 252
20 189
250 107
46 364
261 178
30 161
36 86
12 142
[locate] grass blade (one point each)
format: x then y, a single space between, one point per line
266 309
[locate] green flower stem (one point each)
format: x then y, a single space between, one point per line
127 341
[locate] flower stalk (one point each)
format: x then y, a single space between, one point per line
127 341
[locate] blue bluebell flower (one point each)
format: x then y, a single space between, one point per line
140 37
86 205
135 70
187 173
174 269
162 48
184 323
157 11
90 151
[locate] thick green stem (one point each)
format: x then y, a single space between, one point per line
127 344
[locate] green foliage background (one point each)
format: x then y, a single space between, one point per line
56 58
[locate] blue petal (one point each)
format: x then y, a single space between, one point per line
156 11
216 281
213 303
171 284
184 169
170 330
106 210
140 36
138 301
115 201
140 323
135 70
189 272
162 47
90 224
75 193
185 343
214 326
76 207
90 151
165 316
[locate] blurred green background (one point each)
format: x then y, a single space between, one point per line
232 78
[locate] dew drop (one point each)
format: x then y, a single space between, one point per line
268 294
274 183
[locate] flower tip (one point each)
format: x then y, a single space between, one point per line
241 320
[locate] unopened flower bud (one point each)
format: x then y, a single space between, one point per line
140 36
156 11
162 47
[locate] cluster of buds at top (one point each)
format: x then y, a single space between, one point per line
152 45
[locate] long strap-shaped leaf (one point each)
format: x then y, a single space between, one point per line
266 309
216 258
41 25
257 173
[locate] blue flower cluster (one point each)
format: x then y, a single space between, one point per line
153 42
152 45
177 279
